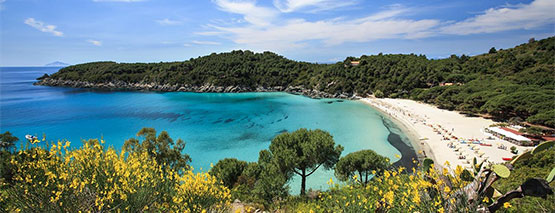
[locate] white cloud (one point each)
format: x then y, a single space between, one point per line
39 25
95 42
205 42
2 4
167 22
523 16
252 13
287 6
265 29
296 33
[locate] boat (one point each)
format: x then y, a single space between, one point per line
31 138
507 159
485 144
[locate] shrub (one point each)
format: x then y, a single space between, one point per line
93 178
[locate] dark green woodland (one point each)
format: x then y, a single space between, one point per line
514 83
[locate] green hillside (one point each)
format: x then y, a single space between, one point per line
517 82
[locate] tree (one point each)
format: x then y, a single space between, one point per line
6 168
162 148
492 50
302 152
272 182
515 120
379 94
362 163
7 141
533 130
228 171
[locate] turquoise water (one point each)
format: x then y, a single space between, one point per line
214 125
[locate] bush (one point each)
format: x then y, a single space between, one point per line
539 165
394 191
228 171
93 178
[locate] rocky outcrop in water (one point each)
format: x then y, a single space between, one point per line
120 85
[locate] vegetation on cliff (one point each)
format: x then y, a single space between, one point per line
516 82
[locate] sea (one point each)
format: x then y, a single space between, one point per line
213 125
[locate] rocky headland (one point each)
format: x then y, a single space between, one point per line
206 88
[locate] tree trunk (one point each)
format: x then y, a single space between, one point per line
366 178
303 182
360 176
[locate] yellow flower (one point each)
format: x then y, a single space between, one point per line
386 174
507 205
389 196
330 182
447 189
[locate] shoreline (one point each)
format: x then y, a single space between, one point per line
420 150
205 88
408 153
447 137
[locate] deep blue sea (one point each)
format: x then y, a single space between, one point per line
214 125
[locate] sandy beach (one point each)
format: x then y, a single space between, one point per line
444 135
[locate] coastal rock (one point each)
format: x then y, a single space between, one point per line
205 88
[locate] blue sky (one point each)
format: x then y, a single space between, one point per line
37 32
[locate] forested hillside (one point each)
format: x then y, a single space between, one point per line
513 83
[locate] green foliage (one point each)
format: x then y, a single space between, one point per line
161 147
7 144
543 146
551 175
395 191
379 94
466 175
7 141
501 170
514 150
94 178
228 171
516 82
364 163
521 157
477 167
492 50
302 152
427 164
533 130
537 165
272 183
545 118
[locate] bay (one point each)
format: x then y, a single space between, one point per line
214 125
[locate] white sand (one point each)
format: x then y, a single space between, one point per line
416 118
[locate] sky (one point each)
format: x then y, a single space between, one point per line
37 32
